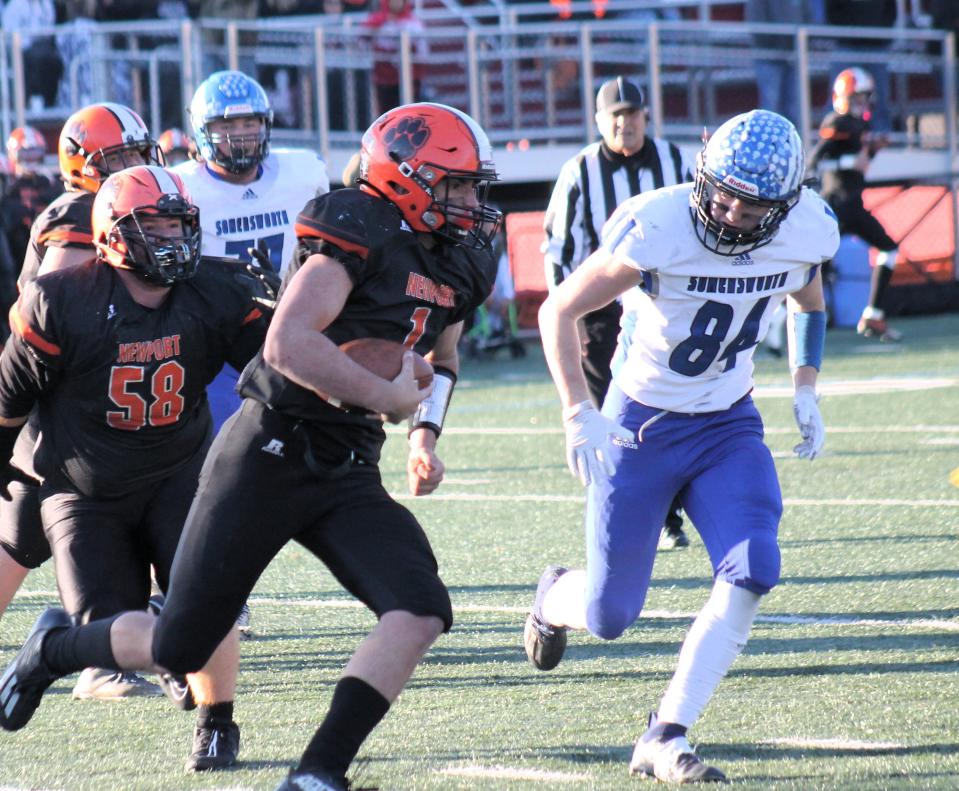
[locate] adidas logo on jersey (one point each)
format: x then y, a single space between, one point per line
274 446
249 194
743 259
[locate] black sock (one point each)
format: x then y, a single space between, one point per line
70 650
356 709
213 714
881 275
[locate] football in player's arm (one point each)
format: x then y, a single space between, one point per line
405 257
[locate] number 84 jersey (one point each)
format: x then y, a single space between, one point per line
690 327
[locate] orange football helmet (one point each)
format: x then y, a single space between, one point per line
852 92
410 154
122 210
175 146
91 135
26 147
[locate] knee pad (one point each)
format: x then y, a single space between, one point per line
179 655
887 258
608 622
753 564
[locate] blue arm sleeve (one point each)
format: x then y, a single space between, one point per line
807 339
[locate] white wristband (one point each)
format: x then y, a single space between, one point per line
432 410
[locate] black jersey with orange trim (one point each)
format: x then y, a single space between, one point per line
840 139
401 291
121 388
64 223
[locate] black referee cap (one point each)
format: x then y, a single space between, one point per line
619 94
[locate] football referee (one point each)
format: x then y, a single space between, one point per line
590 186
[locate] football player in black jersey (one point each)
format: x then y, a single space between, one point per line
117 354
95 141
403 257
842 156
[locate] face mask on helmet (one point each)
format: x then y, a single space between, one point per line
103 139
148 228
756 159
232 120
434 163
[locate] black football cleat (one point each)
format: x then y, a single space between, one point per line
313 780
673 537
27 676
545 644
174 685
177 690
214 747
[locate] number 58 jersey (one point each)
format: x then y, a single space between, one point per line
121 387
690 327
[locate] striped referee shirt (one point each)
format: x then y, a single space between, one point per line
590 187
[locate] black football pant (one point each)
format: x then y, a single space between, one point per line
103 549
251 502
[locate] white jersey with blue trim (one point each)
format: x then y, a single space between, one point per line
690 328
235 217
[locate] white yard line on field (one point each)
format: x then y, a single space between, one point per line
812 620
650 615
533 431
509 773
579 498
852 745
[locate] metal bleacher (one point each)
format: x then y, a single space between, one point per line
526 74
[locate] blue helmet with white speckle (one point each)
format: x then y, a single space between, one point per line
757 158
225 95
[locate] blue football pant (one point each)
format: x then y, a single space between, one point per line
727 484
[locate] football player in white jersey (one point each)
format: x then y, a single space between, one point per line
712 260
248 195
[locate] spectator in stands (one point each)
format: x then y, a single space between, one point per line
42 64
776 77
866 13
393 18
590 186
842 157
214 51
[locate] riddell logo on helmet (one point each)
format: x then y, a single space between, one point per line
742 186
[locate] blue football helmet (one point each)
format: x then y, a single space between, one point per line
231 94
756 157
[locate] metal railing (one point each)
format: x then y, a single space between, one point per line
524 81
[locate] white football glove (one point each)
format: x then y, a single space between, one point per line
589 442
811 427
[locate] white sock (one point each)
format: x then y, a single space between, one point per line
565 603
712 644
